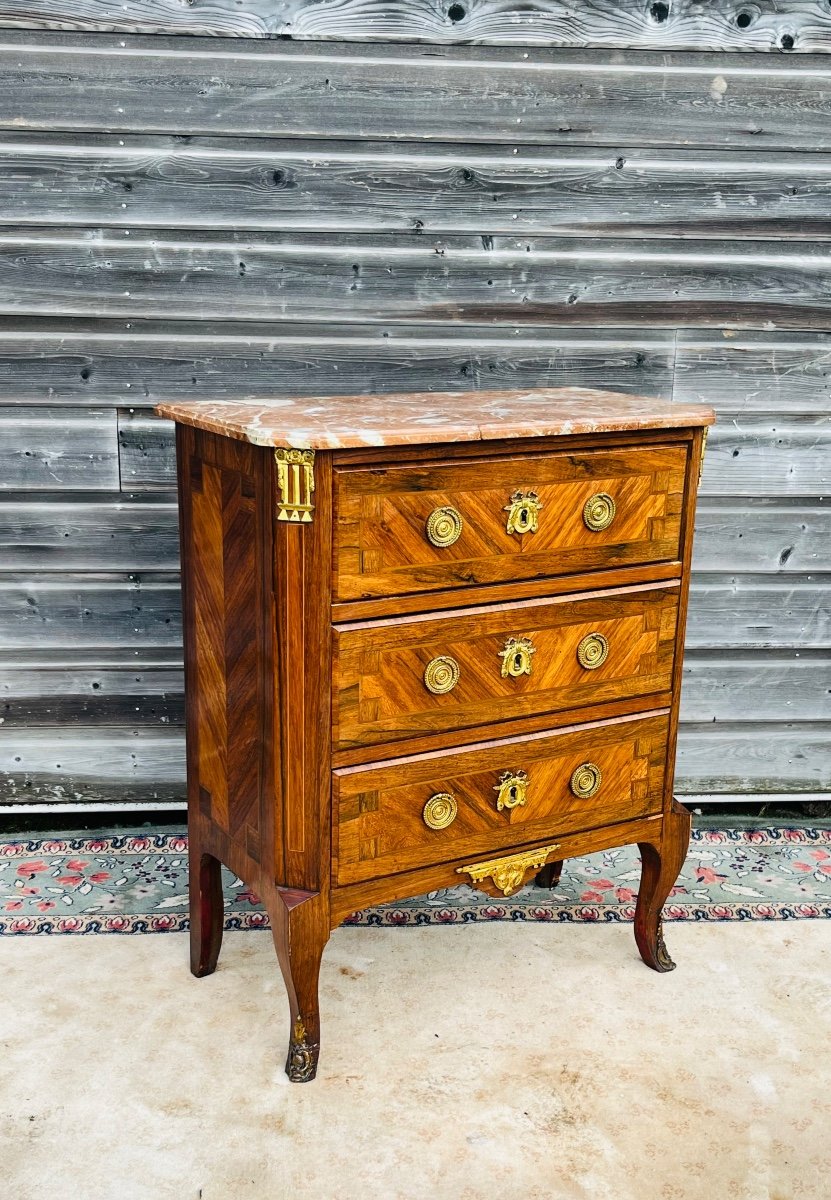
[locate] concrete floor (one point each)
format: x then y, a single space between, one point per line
492 1062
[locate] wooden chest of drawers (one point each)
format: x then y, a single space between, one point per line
429 639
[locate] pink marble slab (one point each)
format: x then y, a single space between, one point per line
417 418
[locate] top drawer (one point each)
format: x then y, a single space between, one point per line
403 529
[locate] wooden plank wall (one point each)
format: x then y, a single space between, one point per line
301 197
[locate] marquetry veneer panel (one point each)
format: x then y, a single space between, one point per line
379 809
382 548
380 692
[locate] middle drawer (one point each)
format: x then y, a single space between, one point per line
405 677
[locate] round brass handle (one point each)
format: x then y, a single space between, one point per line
599 511
444 526
440 811
585 780
441 675
592 651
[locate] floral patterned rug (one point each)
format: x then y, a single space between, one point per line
138 884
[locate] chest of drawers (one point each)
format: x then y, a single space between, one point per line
429 639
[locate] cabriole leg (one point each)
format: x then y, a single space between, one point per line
549 876
206 910
300 927
661 865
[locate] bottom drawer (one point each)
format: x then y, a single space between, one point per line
410 812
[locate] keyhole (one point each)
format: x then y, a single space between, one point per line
517 662
512 795
523 516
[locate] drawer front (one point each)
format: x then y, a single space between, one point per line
419 529
393 817
399 679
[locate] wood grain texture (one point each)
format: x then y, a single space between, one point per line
146 452
670 154
106 612
382 549
147 689
734 687
788 758
763 535
44 450
785 456
379 689
80 363
60 764
759 612
75 687
54 763
112 533
346 900
54 610
94 533
259 184
755 373
790 25
159 85
409 277
380 828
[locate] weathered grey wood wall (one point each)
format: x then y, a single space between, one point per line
310 197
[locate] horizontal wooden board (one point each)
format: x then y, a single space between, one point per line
772 758
166 85
407 277
115 766
778 458
758 612
112 533
42 449
93 696
84 610
753 687
147 449
788 456
257 184
88 535
53 763
721 685
750 373
792 26
143 611
79 363
762 535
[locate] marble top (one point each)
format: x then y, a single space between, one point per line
417 418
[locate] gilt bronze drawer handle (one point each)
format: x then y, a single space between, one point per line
585 780
508 874
523 510
512 789
516 657
599 511
440 811
441 675
592 651
444 526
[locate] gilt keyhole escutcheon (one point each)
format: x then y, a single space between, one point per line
516 657
523 510
512 790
